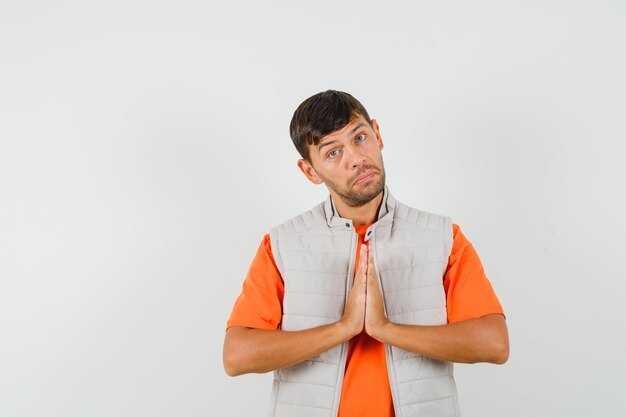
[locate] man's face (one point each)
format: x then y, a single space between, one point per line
349 162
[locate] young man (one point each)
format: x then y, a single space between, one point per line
361 304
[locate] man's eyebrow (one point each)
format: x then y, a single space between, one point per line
354 129
357 127
326 143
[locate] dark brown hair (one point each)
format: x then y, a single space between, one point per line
321 114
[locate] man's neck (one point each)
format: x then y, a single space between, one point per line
365 214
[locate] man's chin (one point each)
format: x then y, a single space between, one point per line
373 187
363 197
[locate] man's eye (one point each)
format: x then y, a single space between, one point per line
361 137
333 153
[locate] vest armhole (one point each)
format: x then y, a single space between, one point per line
447 227
448 240
275 250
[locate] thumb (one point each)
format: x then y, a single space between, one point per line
362 268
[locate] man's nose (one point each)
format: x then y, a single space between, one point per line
354 156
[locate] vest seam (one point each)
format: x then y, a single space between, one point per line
412 288
309 383
316 272
412 246
411 266
420 356
422 379
303 406
328 363
434 228
421 309
410 357
428 401
315 293
294 227
314 251
310 315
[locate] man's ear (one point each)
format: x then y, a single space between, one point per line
308 171
377 131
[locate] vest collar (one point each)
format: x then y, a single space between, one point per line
385 213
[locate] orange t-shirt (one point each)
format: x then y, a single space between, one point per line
366 390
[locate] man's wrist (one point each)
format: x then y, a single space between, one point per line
381 332
345 330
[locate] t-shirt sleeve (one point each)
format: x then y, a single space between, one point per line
469 293
260 303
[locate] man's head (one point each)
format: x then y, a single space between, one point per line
321 114
340 146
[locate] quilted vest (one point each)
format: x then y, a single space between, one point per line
315 253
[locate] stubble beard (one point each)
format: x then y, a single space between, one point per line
354 198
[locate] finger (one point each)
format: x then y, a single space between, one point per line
363 262
363 258
371 279
360 277
370 259
370 263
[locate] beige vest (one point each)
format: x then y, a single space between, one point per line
315 253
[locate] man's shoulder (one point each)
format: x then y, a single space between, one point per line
304 221
419 218
291 232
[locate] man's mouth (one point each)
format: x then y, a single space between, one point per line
365 177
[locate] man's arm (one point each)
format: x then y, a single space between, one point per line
483 339
255 350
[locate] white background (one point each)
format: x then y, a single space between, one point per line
144 152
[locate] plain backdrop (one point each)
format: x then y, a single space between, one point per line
144 153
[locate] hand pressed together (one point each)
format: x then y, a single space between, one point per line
375 318
365 306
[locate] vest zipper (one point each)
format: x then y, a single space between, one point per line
388 354
344 346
